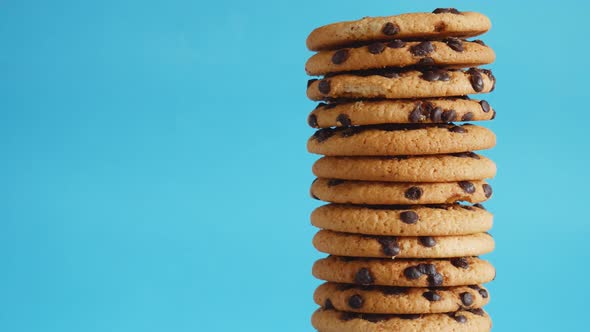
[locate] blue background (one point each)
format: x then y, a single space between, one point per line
154 175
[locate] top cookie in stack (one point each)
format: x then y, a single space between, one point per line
396 170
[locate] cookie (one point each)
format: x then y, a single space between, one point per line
361 113
461 271
474 320
452 52
419 220
359 245
385 193
393 84
436 168
399 300
439 24
398 139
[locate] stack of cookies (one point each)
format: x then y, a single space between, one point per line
404 225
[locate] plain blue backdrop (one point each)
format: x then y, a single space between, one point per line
154 177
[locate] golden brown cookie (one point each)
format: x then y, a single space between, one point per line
386 193
399 300
435 168
452 52
396 140
418 220
393 84
441 23
462 271
359 245
473 320
365 112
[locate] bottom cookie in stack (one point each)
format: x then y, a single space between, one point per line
328 320
402 267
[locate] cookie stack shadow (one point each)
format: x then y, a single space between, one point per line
404 224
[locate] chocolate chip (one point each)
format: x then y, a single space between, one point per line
421 112
396 43
435 280
412 273
436 114
485 106
312 120
427 107
476 79
479 206
389 246
310 82
467 187
459 318
363 277
409 217
416 115
430 75
323 134
483 293
390 29
340 56
414 193
489 75
460 262
435 75
466 299
324 86
344 120
467 116
328 305
476 311
428 269
427 241
334 182
446 10
440 26
457 129
431 296
487 190
455 44
356 301
479 41
449 116
427 61
422 48
493 115
376 48
350 131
